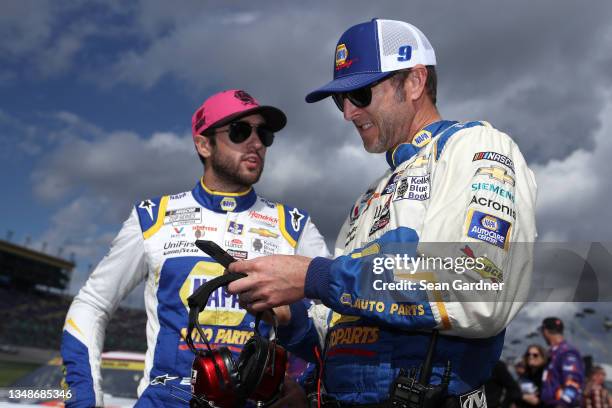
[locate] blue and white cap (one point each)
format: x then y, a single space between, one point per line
368 52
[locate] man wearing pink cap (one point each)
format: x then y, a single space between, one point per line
231 132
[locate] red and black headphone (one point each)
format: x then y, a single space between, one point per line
215 376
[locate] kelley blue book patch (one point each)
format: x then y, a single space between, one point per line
488 228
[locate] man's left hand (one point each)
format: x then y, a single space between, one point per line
272 281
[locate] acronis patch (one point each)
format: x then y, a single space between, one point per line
488 228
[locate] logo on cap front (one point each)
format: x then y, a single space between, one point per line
341 54
342 60
244 97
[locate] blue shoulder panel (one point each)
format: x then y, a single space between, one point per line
292 222
441 141
148 212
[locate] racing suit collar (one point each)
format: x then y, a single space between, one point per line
222 202
405 151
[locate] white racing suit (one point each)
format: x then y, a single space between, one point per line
459 191
156 244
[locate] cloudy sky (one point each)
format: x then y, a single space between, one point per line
96 100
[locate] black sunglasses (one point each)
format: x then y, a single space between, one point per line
360 97
241 131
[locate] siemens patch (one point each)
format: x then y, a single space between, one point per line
488 228
500 191
496 157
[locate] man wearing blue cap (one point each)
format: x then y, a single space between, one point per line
463 184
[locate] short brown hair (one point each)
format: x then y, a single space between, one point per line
431 83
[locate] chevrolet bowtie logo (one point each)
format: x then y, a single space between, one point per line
264 232
420 161
496 173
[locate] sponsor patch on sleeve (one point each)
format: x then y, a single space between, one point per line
488 228
494 156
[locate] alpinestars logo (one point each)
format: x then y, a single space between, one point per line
296 217
162 379
147 205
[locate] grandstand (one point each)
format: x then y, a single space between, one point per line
32 308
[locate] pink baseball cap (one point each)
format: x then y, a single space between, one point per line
227 106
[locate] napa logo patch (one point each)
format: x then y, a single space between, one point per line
346 299
228 204
488 228
222 308
421 138
490 223
342 59
341 55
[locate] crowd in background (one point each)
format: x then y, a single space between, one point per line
553 377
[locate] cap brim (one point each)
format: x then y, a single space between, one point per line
345 84
274 117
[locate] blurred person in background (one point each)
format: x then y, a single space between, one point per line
595 393
530 381
501 388
563 376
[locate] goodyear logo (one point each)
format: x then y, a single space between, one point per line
222 308
421 138
341 55
228 204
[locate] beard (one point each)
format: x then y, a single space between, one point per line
229 171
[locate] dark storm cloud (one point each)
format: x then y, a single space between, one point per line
537 70
533 70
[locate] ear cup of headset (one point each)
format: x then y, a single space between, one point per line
270 385
215 375
251 363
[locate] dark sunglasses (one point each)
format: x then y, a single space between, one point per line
535 355
241 131
360 97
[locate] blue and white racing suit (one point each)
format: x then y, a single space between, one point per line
459 191
156 245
